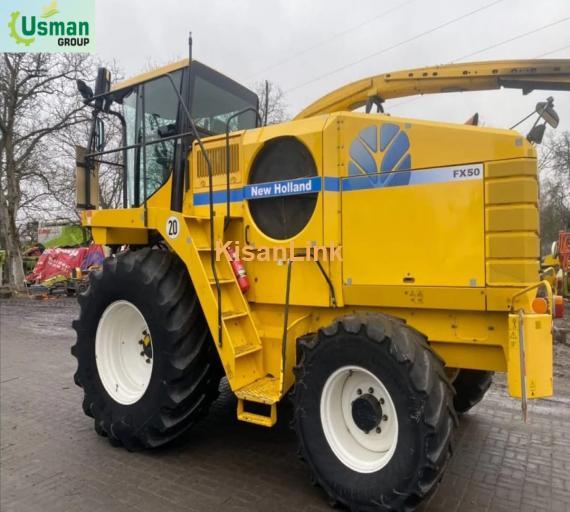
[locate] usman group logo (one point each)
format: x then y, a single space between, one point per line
59 26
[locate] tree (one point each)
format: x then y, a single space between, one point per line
554 188
276 106
37 99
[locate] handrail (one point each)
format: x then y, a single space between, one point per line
211 197
233 116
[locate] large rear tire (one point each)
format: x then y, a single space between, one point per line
470 388
373 413
146 361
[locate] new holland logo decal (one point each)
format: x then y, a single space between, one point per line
377 152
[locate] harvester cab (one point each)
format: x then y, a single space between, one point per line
156 132
280 258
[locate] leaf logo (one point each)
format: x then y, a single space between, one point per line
49 10
381 151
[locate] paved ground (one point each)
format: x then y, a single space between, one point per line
51 459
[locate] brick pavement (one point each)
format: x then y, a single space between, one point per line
52 460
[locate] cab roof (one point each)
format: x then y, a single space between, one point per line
148 75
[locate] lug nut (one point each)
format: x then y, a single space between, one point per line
384 418
371 391
359 391
140 342
148 361
142 353
381 401
378 430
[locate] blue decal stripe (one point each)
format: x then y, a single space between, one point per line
423 177
332 184
219 196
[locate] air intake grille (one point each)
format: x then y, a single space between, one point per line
218 159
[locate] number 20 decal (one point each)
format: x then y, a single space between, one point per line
172 227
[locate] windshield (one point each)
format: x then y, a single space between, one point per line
215 98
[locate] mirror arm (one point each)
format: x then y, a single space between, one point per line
88 161
521 121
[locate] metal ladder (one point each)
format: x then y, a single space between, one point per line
241 346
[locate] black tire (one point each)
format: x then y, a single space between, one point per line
470 388
422 396
186 371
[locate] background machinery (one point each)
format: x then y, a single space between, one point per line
556 265
380 347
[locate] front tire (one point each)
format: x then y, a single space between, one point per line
373 413
146 361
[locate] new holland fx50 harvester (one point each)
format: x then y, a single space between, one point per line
378 269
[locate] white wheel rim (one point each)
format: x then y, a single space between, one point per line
360 451
123 352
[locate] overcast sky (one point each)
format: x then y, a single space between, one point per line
295 42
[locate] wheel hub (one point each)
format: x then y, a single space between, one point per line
146 343
359 419
366 412
124 352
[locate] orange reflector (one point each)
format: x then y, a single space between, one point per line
540 305
558 306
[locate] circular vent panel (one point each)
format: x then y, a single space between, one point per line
285 216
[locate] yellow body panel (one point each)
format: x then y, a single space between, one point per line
537 356
385 244
511 206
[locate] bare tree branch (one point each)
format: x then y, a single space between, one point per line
276 106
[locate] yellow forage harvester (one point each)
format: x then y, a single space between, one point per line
437 226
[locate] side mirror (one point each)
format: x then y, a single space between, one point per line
536 134
554 249
102 85
545 109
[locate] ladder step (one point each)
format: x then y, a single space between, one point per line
256 418
230 315
204 248
244 350
264 391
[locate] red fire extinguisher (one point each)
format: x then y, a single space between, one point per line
239 270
